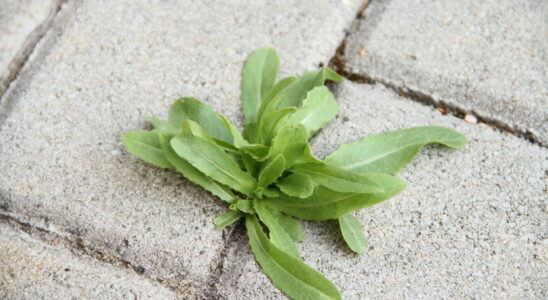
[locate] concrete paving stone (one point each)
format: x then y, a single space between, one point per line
30 269
486 57
21 24
471 224
101 71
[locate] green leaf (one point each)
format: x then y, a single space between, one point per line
259 74
194 175
319 107
279 237
308 157
297 185
223 220
337 179
211 160
163 125
290 275
146 146
257 151
390 152
273 169
326 204
273 98
271 123
294 94
290 141
201 113
352 232
245 206
290 225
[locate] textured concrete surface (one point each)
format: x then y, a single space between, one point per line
101 71
30 269
21 24
487 57
472 223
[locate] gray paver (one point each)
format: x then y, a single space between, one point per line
30 269
471 224
102 71
21 23
487 57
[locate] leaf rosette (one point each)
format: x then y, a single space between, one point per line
267 173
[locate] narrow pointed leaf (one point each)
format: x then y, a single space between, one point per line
319 107
271 171
290 141
146 146
259 74
211 160
390 152
352 232
295 93
337 179
327 204
296 185
201 113
290 275
223 220
279 237
291 226
194 175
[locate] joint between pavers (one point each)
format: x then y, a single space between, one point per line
77 246
338 63
21 58
12 88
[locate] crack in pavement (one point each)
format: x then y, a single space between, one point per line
338 64
77 246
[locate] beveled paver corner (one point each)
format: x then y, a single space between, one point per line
101 72
30 269
484 57
470 224
22 22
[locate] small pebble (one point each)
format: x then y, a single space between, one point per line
442 110
470 119
362 51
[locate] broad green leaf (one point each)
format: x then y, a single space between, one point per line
163 125
295 93
271 100
352 232
258 77
308 157
146 146
211 160
270 192
390 152
319 107
290 275
271 122
326 204
271 171
245 206
296 185
194 175
223 220
251 132
290 141
291 226
279 237
337 179
201 113
257 151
